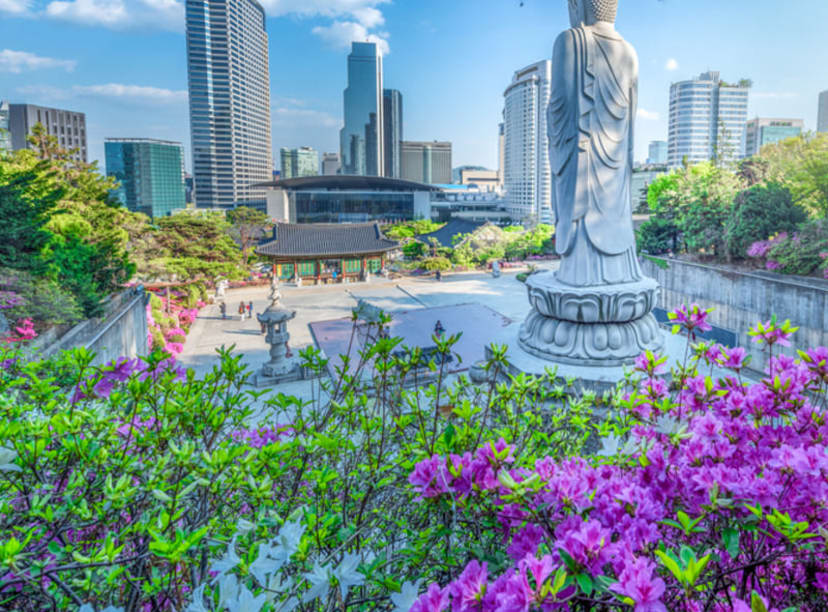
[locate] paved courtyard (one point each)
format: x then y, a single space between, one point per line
505 295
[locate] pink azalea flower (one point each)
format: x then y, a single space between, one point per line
468 589
434 599
636 582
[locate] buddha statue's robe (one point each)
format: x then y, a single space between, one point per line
590 121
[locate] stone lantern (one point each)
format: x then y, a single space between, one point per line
281 368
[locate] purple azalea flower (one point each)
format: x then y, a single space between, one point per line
636 582
468 589
434 599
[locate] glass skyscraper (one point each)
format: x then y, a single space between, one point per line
392 115
426 162
149 173
299 162
761 132
229 84
822 112
5 134
708 118
527 175
361 141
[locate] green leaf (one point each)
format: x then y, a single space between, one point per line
730 537
670 564
585 582
756 603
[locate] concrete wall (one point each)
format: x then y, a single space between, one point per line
120 332
740 299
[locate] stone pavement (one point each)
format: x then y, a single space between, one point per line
505 295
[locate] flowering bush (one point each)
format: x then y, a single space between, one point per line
169 319
712 497
803 252
137 486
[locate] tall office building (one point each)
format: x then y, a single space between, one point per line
149 173
5 134
761 132
501 152
392 119
822 112
708 118
427 162
527 175
299 162
229 83
331 164
657 152
68 127
361 141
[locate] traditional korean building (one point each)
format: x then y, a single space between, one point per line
324 253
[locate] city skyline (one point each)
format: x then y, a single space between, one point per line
464 63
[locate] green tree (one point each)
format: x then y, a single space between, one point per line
28 197
801 164
760 212
247 227
657 236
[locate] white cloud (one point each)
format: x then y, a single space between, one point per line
44 93
340 35
646 115
118 14
133 92
291 116
15 7
363 11
141 93
20 61
108 13
773 95
672 64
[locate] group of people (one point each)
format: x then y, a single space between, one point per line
245 310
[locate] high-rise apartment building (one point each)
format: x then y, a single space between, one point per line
527 175
361 140
331 164
299 162
708 118
68 127
5 134
229 84
822 112
392 119
657 152
761 132
501 152
149 173
426 162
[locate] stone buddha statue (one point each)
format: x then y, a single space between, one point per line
596 309
590 117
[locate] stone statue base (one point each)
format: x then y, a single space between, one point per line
587 378
601 325
287 371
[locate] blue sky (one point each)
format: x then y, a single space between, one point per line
123 62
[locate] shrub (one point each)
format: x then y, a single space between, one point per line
42 300
712 497
432 264
760 212
657 236
135 486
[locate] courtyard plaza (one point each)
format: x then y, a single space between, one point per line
493 301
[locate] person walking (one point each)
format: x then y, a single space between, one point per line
242 311
439 330
223 310
250 309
